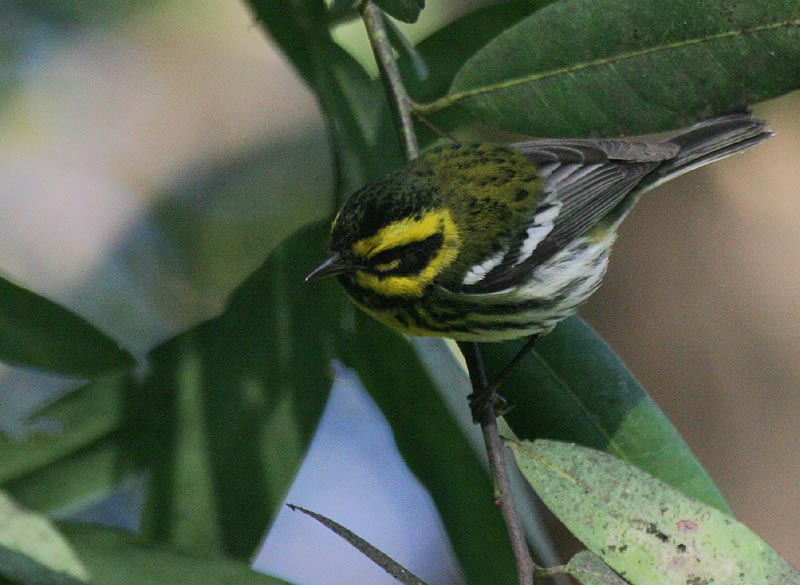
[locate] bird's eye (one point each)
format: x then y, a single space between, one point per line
407 259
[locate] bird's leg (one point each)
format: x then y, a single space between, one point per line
480 399
523 351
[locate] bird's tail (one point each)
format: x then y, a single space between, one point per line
710 141
699 145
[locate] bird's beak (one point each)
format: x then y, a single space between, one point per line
333 264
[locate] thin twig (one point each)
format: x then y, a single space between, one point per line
390 74
497 463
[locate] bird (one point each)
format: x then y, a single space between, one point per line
482 242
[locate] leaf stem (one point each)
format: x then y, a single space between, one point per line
390 74
497 463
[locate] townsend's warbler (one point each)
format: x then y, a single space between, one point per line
480 242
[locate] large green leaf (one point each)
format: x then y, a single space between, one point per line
221 430
446 50
117 558
81 477
574 388
645 530
83 418
434 448
37 333
248 387
587 67
246 391
33 552
92 444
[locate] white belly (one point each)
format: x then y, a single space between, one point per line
554 291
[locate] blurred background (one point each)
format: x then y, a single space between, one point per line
153 153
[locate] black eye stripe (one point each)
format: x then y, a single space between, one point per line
388 255
413 257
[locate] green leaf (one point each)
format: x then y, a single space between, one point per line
403 10
117 558
246 391
222 422
79 478
588 67
33 552
377 556
84 416
38 333
589 569
446 50
645 530
574 388
434 448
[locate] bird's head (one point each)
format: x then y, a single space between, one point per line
393 237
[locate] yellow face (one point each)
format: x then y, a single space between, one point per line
402 258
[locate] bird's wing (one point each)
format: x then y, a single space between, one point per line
595 150
583 180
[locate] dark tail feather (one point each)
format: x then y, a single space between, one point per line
709 141
699 145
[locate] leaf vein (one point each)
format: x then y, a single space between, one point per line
588 413
454 98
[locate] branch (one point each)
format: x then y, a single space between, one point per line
497 463
390 74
